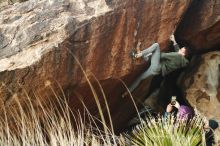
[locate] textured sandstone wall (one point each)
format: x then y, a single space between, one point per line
38 36
5 3
201 84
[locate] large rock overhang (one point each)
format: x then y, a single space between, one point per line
100 40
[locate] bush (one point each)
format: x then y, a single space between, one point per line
168 131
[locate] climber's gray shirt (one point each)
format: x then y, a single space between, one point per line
172 61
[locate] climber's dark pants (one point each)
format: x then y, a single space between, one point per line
155 67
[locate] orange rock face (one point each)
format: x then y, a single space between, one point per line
101 43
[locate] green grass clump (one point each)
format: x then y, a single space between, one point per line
167 131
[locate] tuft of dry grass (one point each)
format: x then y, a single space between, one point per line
51 125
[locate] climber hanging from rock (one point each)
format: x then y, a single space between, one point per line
161 63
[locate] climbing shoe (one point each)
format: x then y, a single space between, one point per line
133 54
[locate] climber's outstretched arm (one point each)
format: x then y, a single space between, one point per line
176 46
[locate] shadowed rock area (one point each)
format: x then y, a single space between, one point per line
200 26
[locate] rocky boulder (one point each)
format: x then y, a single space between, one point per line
199 29
200 26
201 83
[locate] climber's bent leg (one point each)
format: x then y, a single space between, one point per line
149 50
150 72
154 69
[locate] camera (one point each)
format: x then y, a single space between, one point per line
173 100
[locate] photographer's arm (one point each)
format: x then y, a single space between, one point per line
168 110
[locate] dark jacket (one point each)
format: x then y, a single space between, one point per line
209 136
172 61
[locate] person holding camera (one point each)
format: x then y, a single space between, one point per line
183 111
